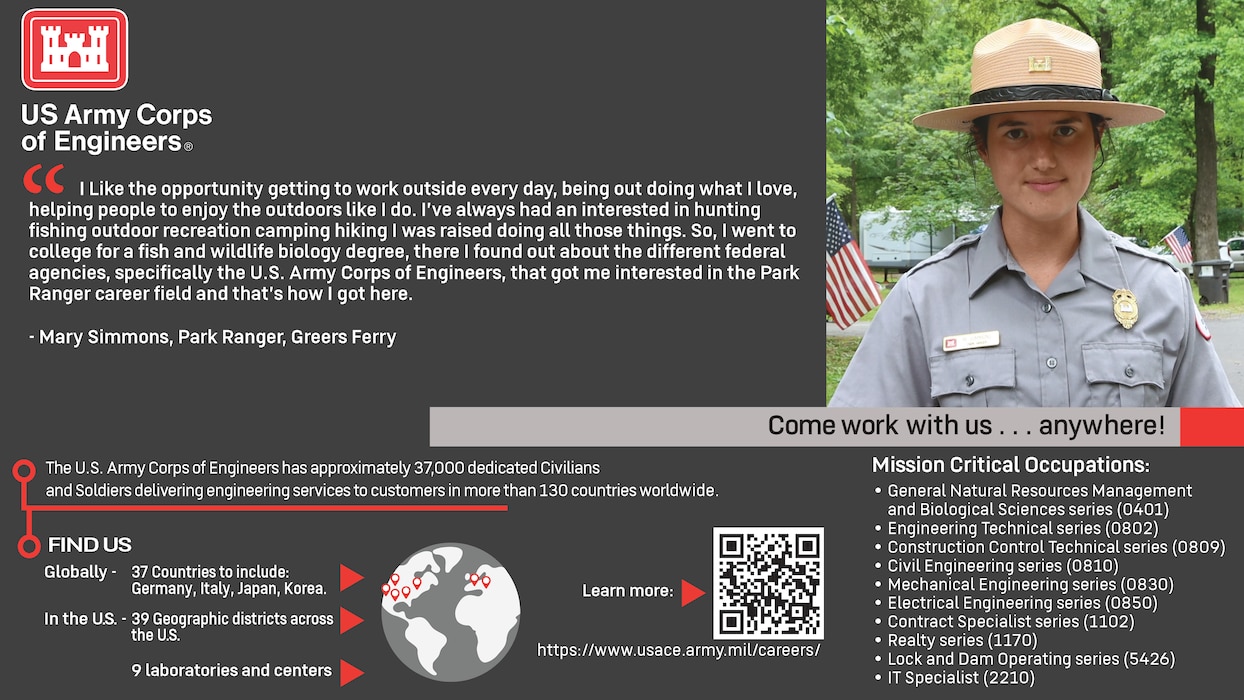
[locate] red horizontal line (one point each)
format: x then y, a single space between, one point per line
242 507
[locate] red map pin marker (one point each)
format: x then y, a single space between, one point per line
417 581
485 580
405 591
395 578
394 593
384 589
474 579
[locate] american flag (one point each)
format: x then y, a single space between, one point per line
850 290
1179 244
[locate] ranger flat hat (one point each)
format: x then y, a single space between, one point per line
1037 65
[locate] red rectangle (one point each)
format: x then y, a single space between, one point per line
1211 427
75 49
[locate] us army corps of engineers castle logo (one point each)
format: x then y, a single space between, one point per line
75 49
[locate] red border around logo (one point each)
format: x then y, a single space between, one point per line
115 78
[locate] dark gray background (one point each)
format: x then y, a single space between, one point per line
689 91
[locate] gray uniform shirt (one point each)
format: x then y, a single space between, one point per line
1061 347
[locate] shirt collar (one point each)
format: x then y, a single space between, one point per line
990 255
1098 259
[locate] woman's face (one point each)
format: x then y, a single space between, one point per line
1041 162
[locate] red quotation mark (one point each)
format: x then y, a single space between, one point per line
53 186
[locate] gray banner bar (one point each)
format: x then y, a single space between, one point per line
801 427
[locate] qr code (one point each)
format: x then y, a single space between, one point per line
769 583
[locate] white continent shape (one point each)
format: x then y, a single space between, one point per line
426 640
492 613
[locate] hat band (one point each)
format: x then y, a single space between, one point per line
1027 93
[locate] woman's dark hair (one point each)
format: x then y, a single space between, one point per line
979 136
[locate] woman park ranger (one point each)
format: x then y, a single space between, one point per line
1045 307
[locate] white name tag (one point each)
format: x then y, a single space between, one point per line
984 339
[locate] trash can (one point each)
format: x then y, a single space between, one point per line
1212 280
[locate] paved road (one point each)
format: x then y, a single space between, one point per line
1228 332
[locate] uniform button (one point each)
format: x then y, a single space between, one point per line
1129 372
1051 363
969 380
1047 307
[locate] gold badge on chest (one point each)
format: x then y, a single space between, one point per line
1125 309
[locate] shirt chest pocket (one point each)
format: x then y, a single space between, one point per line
1124 374
974 378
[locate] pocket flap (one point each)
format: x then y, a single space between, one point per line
971 371
1126 364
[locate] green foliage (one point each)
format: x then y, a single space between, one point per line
836 175
1231 221
937 175
1147 189
1144 187
838 354
893 28
845 68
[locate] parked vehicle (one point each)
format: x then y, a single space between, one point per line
1235 249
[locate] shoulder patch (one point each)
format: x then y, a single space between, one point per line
1200 326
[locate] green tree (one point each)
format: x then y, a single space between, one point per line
1205 197
1167 55
866 42
845 81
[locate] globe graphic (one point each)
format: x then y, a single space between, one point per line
451 612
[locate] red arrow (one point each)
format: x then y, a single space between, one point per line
348 577
689 593
348 620
348 672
